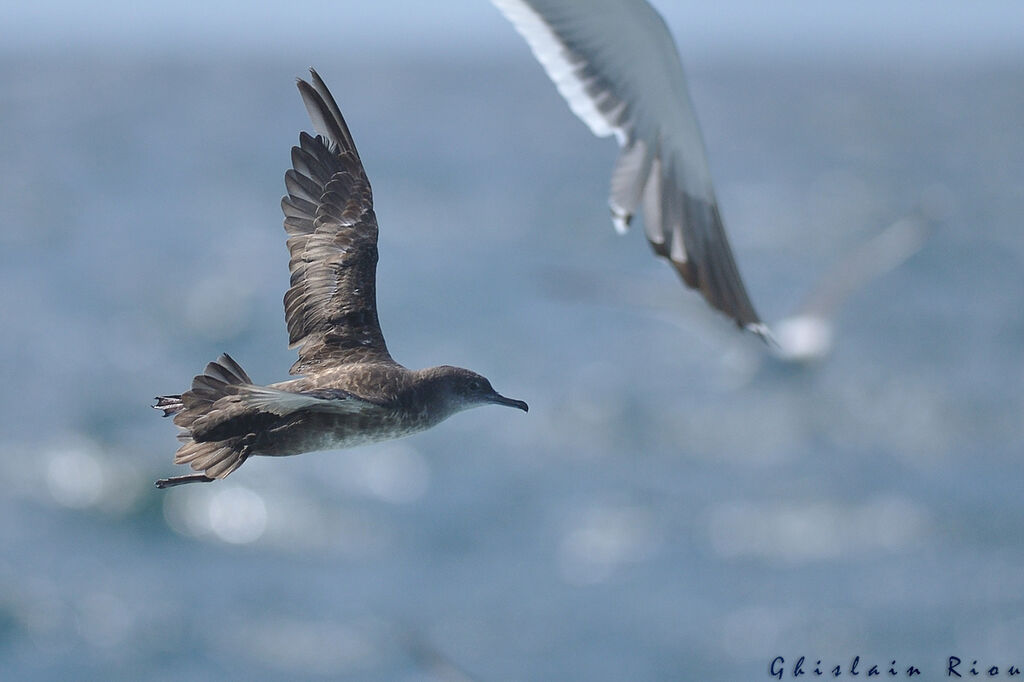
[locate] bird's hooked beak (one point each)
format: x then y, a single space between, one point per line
499 399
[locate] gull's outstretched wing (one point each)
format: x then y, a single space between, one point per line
880 254
806 335
617 66
331 307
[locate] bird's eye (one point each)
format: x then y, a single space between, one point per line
475 385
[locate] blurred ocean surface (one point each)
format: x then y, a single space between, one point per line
675 506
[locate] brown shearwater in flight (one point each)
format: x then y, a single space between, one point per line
351 391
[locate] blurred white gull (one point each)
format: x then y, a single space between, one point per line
806 335
617 66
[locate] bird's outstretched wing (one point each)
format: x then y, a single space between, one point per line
878 255
806 335
617 66
331 306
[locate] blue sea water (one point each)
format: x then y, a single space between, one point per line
675 506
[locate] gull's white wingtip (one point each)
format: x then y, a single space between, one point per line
621 220
764 332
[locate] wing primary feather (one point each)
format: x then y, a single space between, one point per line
321 116
328 99
298 185
632 170
323 109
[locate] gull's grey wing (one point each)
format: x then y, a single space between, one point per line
806 335
880 254
615 63
331 307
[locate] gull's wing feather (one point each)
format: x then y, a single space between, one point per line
880 254
617 66
331 306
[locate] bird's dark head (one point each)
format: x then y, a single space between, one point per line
463 389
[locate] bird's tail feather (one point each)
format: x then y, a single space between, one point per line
219 380
195 413
170 404
215 458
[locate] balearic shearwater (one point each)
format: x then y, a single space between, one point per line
615 63
351 391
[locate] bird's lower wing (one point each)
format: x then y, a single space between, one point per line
282 403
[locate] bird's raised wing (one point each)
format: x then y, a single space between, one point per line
617 66
331 307
880 254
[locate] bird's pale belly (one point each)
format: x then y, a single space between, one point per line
314 431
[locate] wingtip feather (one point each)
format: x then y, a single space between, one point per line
764 332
